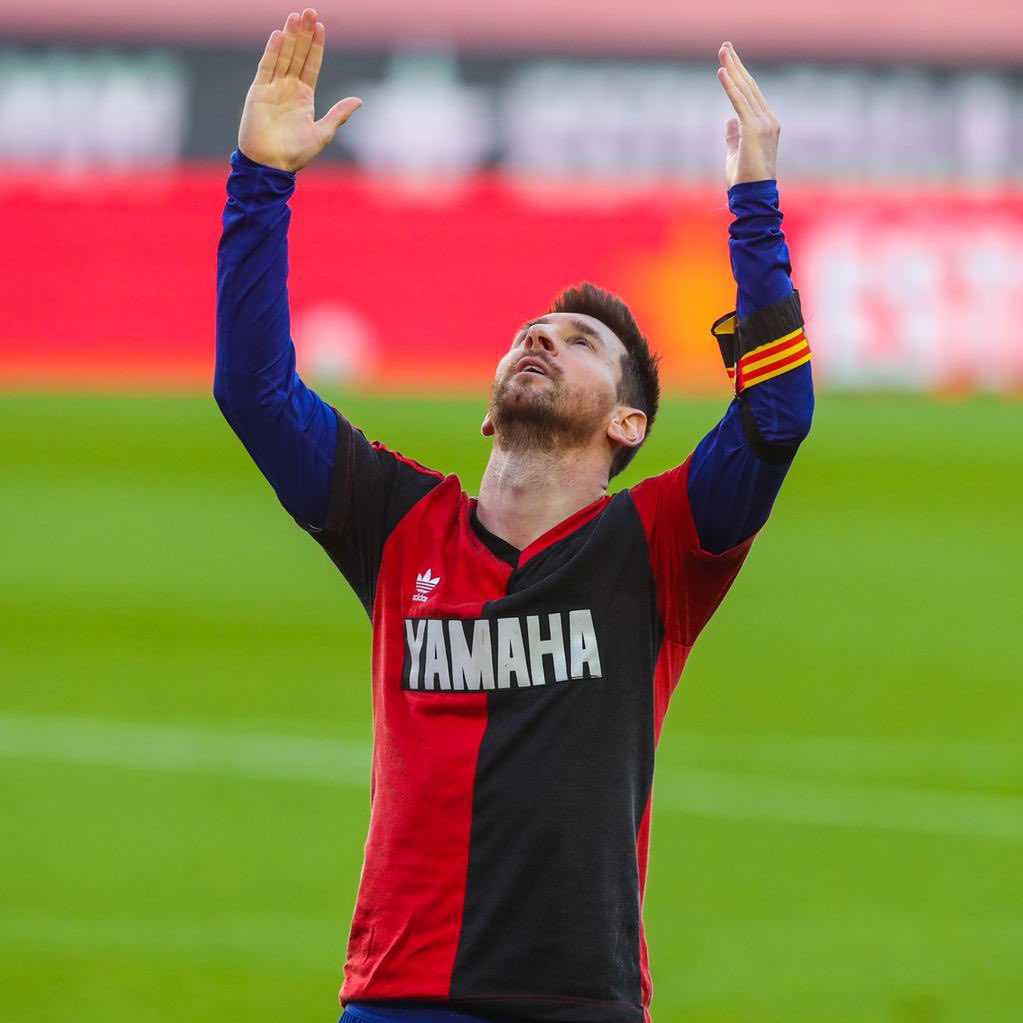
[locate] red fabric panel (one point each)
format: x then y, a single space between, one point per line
642 857
690 581
670 662
409 911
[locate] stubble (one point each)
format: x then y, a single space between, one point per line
542 416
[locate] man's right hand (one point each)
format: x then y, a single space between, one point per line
277 127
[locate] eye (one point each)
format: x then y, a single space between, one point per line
579 339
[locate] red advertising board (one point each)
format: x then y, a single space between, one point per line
110 281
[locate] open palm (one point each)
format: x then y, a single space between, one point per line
751 138
278 126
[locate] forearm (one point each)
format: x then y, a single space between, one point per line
757 248
287 429
738 468
772 375
253 320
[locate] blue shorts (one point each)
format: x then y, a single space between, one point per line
377 1012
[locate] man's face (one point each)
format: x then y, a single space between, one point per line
558 384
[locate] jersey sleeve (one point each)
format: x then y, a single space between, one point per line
343 490
691 581
372 489
287 429
738 468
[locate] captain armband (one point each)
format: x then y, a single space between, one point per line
764 345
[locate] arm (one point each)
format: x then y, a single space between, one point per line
288 430
346 492
737 470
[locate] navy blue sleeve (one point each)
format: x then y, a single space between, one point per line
289 431
737 470
345 491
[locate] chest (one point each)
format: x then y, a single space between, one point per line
460 617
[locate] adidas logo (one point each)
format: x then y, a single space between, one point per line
425 585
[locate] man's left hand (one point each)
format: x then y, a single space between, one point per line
752 137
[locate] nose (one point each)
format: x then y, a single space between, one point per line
539 337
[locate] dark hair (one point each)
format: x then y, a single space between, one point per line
639 386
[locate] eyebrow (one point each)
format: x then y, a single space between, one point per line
580 325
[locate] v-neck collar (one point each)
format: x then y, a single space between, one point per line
500 548
510 554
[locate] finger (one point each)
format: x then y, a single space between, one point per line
729 73
287 45
727 57
336 116
748 78
265 71
747 82
307 27
311 71
735 95
732 134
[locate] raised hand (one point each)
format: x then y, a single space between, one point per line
278 126
752 137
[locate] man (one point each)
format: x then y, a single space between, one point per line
525 642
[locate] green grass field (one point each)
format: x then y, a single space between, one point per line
185 725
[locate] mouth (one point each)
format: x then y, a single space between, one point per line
532 366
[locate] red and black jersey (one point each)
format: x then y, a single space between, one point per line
518 697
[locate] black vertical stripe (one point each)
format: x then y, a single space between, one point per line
551 917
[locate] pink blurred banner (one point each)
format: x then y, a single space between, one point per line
110 281
983 31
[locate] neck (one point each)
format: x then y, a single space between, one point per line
523 494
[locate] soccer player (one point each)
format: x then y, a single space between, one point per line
526 642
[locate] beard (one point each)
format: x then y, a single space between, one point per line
534 416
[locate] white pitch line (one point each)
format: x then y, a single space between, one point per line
958 763
961 812
886 807
184 750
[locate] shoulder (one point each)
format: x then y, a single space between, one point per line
666 490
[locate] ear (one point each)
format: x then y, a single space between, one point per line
627 428
487 429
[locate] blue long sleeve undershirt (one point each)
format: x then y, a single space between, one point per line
731 491
290 432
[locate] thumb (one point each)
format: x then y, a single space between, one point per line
732 134
336 116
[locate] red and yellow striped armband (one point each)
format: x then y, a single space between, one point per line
764 345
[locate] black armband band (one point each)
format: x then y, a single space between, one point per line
764 345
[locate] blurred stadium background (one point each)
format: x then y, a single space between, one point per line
184 707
